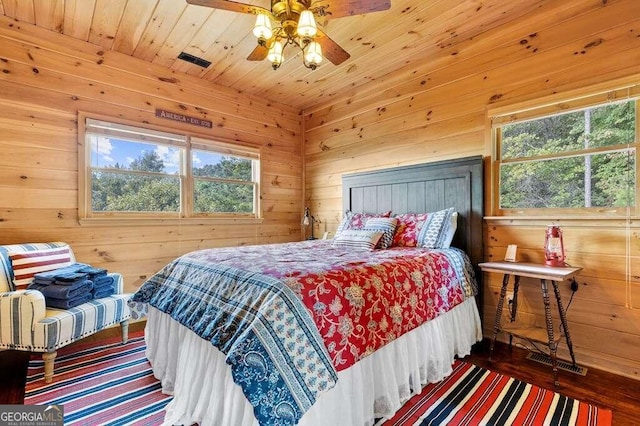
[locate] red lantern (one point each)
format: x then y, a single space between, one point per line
554 247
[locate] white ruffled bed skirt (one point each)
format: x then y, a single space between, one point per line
195 372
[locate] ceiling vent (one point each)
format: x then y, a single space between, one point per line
194 60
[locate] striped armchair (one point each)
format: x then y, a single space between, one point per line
27 324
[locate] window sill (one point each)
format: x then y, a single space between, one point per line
563 217
155 221
590 221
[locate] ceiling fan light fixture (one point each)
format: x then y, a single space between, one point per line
313 55
295 24
307 27
262 29
275 55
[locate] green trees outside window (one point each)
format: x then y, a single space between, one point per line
580 159
223 185
120 190
131 171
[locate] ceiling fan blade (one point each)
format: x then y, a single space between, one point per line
331 50
230 5
340 8
258 54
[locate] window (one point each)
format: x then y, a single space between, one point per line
223 182
132 171
579 159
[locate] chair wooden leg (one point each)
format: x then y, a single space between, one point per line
48 358
125 331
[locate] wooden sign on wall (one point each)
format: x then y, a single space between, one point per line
183 118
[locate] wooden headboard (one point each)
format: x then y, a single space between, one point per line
426 188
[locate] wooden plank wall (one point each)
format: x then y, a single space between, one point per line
46 78
438 110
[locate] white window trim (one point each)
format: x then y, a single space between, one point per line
183 139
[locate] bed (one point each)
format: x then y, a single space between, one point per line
284 351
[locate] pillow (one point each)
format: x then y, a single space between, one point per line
357 220
408 228
386 225
344 223
26 265
430 230
451 230
435 230
358 239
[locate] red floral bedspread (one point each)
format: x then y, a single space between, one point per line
359 300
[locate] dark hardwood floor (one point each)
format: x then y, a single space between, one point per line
13 372
617 393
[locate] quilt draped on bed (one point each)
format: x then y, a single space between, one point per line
288 316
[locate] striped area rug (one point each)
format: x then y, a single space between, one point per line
476 396
106 383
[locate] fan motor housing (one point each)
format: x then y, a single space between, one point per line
289 26
289 9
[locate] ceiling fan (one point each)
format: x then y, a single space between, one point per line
295 24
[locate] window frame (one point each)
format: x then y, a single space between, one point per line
501 116
192 141
199 144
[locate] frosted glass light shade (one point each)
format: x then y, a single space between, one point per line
313 54
307 25
262 28
275 55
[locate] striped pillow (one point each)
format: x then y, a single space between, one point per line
26 265
358 239
357 220
435 231
386 225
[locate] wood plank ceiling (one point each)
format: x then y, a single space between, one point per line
385 47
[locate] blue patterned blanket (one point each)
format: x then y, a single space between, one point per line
271 343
